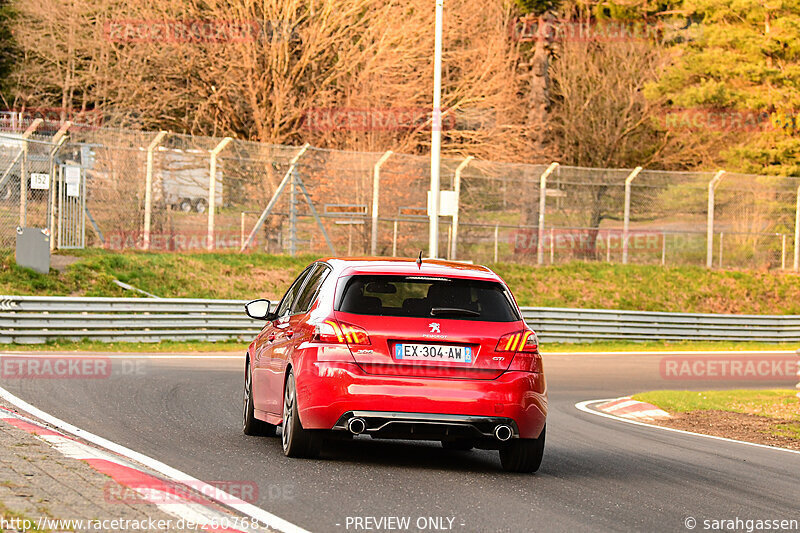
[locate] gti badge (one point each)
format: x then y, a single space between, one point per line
434 327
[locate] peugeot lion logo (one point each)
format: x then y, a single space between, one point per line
434 327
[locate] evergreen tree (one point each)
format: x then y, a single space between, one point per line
7 50
746 63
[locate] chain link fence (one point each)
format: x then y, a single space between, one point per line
153 190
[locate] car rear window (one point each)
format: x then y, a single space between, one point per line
426 297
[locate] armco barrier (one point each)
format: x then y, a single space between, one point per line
35 319
587 325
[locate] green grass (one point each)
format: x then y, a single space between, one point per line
770 403
690 346
196 275
577 284
186 347
788 430
653 288
237 346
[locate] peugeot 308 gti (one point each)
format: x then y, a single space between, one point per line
401 349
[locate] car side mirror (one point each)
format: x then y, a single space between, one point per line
258 309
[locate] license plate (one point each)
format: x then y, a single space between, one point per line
433 352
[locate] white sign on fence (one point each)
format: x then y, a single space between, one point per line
448 203
40 181
72 175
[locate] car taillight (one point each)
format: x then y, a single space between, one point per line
521 341
525 346
333 332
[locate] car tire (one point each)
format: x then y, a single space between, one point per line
296 441
185 205
200 205
458 445
523 455
250 424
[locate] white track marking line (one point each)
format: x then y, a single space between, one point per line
584 406
264 517
176 505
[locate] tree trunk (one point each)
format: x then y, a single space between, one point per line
539 86
595 218
539 106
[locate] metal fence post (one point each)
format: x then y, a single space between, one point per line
712 186
542 204
58 139
289 176
23 174
457 189
148 188
797 233
783 251
293 218
496 240
241 230
721 239
627 218
376 185
394 239
212 191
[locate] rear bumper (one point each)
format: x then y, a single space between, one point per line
329 393
383 424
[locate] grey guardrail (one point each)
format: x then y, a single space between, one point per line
587 325
36 319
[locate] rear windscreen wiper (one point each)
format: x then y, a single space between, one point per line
436 311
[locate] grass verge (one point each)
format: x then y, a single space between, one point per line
774 403
665 346
234 345
578 284
184 347
764 416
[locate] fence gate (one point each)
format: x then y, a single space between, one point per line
71 226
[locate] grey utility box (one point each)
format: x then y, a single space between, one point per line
33 249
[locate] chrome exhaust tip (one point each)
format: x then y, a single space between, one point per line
503 433
356 426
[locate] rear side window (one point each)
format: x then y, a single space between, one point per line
311 288
426 297
291 294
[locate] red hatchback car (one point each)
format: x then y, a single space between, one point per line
401 349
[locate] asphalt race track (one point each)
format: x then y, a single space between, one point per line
598 474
